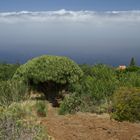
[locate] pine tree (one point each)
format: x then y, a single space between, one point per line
132 62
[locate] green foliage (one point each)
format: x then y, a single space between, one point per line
87 69
12 128
71 104
103 81
7 71
93 92
17 122
49 68
132 69
41 108
101 71
12 91
132 62
129 79
126 104
17 110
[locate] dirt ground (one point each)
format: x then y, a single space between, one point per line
87 126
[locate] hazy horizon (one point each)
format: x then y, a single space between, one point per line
110 37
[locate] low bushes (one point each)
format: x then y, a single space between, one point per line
71 104
126 104
19 121
40 108
7 71
129 79
93 92
12 91
12 128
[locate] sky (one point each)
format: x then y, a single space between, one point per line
87 31
45 5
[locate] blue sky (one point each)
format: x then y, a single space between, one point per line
41 5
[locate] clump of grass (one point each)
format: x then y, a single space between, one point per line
12 91
41 108
12 128
14 125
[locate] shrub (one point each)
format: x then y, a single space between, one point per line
11 128
40 107
131 79
93 92
87 69
71 104
12 91
50 74
7 71
126 104
100 83
101 71
87 96
50 68
132 69
17 110
105 81
16 123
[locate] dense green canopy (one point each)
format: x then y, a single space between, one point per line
50 68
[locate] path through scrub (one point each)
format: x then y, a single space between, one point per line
87 126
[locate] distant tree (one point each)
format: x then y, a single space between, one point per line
132 62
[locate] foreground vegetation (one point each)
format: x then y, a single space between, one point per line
18 113
97 89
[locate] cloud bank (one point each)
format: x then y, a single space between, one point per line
70 16
86 36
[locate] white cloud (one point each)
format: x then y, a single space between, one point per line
71 16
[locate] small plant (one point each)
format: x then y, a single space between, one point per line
40 107
15 124
126 104
71 104
16 110
12 128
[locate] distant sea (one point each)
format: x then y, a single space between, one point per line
79 57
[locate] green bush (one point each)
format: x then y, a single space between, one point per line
129 79
50 68
12 91
132 69
88 96
103 81
93 92
17 110
87 69
71 104
41 108
50 75
100 83
101 71
16 123
7 71
12 128
126 104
